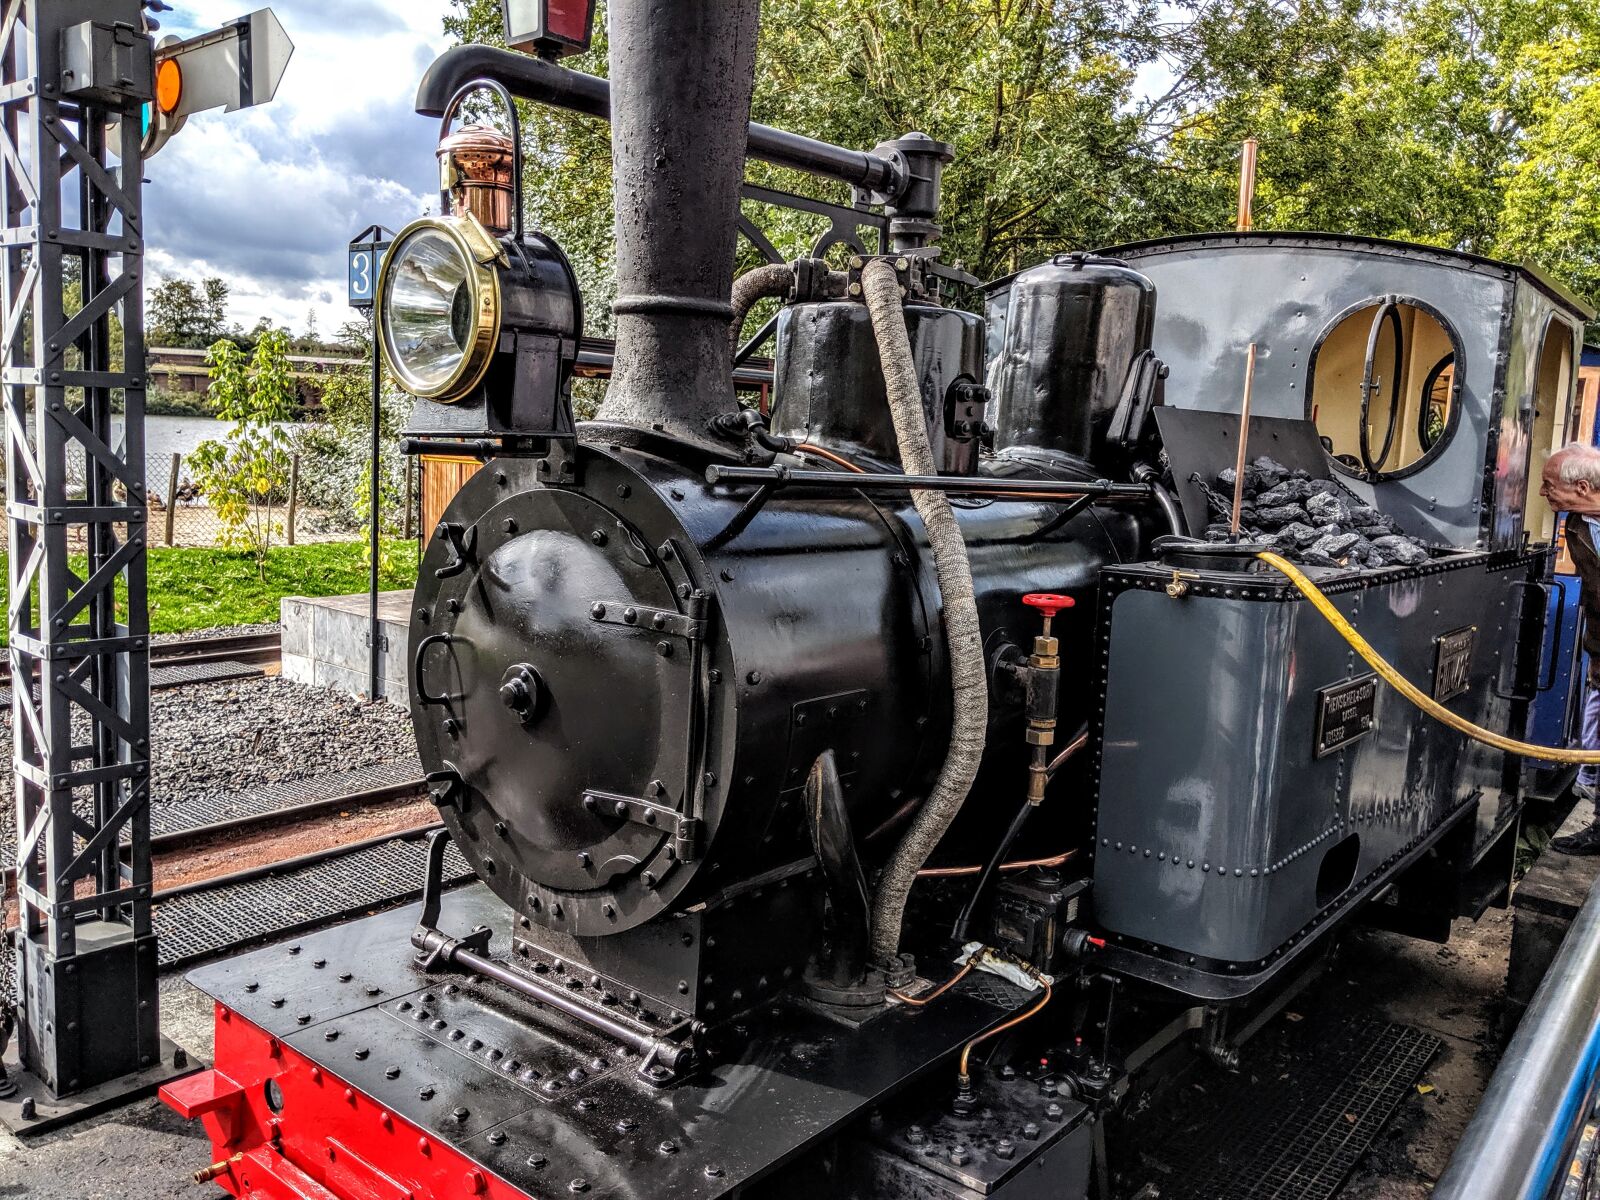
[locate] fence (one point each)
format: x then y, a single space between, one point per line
179 513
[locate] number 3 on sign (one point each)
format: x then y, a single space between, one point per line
364 265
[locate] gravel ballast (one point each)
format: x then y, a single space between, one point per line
216 631
229 736
240 733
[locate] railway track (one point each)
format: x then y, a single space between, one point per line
248 878
274 859
180 828
201 660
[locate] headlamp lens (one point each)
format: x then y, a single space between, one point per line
430 309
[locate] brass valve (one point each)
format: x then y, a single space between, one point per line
1043 677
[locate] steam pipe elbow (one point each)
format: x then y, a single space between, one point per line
774 280
523 76
546 83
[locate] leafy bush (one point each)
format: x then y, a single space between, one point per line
168 402
335 453
244 473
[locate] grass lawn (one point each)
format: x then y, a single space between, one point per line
203 588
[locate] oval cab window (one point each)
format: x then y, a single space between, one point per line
1383 388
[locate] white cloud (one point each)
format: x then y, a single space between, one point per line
268 197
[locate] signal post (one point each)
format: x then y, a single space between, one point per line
75 79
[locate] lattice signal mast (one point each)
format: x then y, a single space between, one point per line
76 77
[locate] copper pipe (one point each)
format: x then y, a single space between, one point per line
837 459
1072 747
1020 865
920 1001
966 1051
894 818
1244 442
1247 184
1067 752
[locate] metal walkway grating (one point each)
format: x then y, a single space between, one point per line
1295 1134
202 672
191 813
205 923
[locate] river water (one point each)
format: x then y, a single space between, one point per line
166 436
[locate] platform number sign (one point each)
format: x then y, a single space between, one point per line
365 262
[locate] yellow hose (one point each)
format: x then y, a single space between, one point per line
1405 687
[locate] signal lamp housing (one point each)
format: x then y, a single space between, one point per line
548 29
483 331
169 86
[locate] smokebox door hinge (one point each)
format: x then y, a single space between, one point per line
650 620
685 830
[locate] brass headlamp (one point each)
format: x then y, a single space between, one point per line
439 305
477 319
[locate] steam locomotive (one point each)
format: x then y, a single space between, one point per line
872 793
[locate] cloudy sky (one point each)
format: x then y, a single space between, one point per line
269 197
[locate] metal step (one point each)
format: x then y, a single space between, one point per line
203 924
181 673
1286 1129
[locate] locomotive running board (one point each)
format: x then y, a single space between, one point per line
369 1050
665 1053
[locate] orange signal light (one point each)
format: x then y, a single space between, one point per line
169 85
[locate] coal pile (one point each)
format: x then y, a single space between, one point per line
1311 521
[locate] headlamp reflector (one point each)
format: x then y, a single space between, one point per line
439 311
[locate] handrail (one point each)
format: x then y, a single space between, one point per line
545 82
1523 1136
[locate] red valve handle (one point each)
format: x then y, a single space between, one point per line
1048 603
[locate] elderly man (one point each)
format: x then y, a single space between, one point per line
1571 484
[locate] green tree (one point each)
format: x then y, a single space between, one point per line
244 473
181 313
1054 146
1462 123
336 454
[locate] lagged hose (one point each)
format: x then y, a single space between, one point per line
1405 687
970 693
763 282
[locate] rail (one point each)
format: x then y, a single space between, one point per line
247 648
1524 1136
181 841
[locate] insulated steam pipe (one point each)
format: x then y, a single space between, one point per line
545 83
771 281
969 701
1522 1137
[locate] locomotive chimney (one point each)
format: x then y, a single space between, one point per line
681 76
